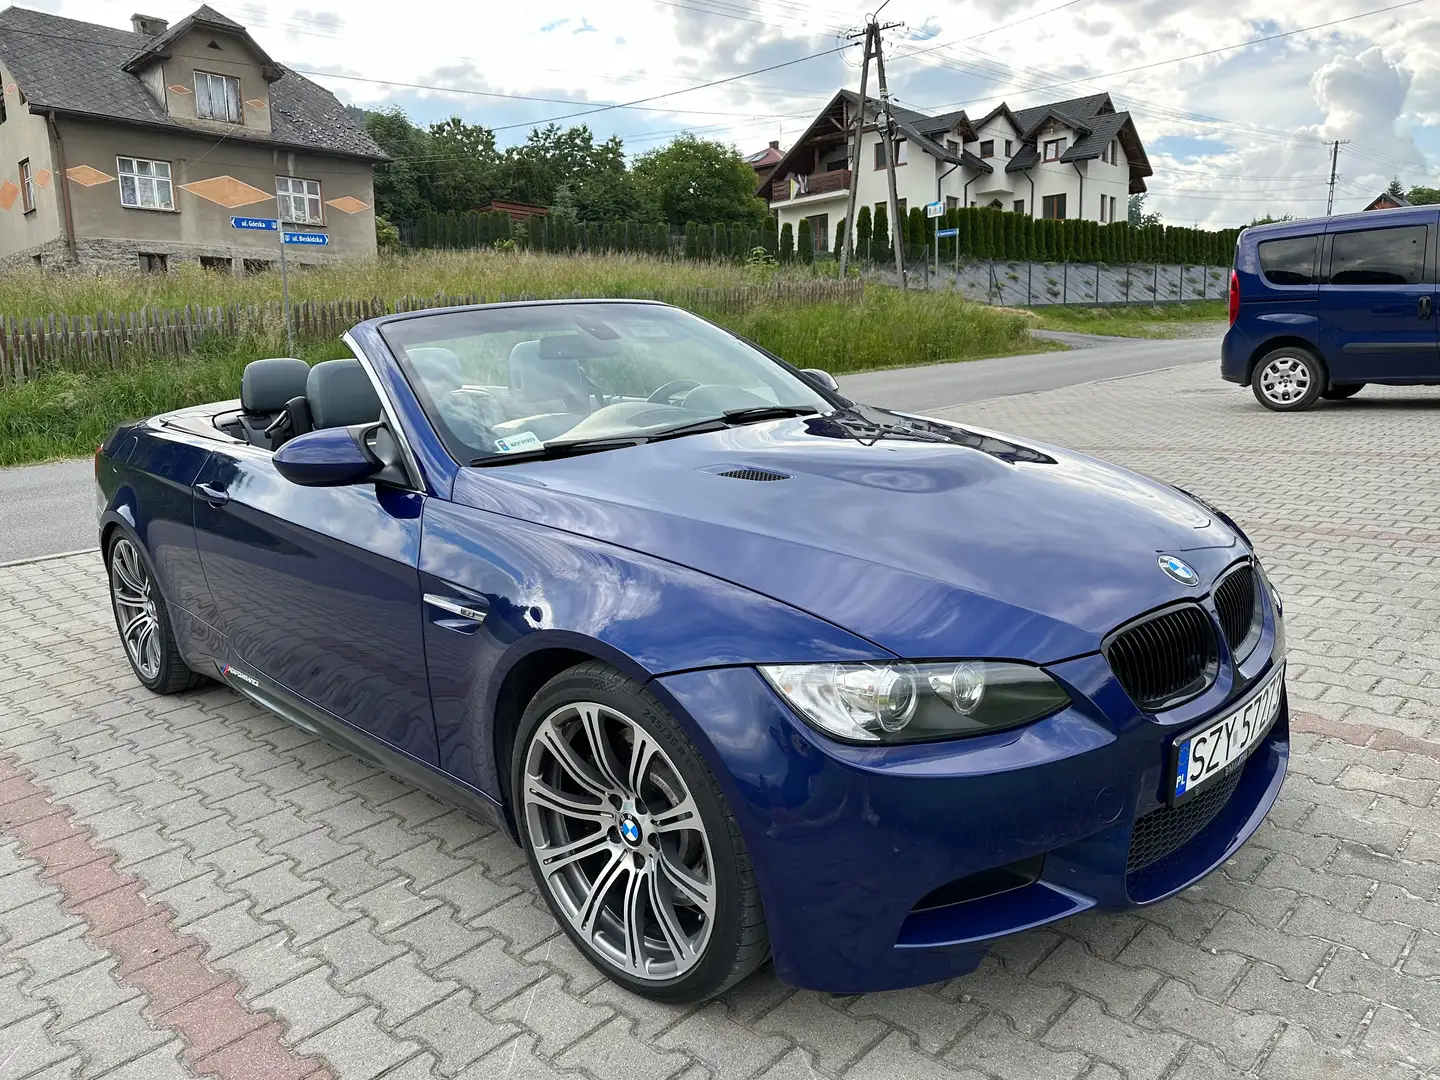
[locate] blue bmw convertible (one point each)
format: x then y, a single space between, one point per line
748 669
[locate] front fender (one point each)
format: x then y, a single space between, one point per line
547 589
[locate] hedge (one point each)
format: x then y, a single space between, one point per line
984 233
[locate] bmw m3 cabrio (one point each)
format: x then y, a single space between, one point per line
748 669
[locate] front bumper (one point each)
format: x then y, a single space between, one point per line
845 840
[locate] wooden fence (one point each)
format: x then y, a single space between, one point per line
32 345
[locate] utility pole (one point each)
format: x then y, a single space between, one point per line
871 34
1334 163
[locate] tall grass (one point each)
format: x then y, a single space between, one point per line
28 291
65 413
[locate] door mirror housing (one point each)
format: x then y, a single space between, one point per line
822 379
330 457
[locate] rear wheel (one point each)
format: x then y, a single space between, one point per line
1288 379
144 623
1341 391
630 840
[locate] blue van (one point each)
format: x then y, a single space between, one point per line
1319 308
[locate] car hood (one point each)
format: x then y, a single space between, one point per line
928 538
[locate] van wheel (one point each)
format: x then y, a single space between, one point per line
1288 379
1341 391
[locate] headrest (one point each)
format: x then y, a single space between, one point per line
339 394
440 366
266 385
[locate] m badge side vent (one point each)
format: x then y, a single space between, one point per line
758 475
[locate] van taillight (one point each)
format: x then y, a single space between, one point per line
1234 296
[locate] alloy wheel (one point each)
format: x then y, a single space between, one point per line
133 593
619 841
1285 380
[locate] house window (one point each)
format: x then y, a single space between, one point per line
1052 206
952 202
2 109
987 148
820 231
257 266
145 185
900 210
838 165
953 147
299 200
27 187
1112 207
1104 208
880 154
1019 206
154 264
219 263
1054 148
1009 148
217 97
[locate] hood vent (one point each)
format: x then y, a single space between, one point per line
758 475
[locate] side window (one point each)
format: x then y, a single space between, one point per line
1289 262
1379 256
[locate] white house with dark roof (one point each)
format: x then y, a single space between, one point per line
136 148
1072 159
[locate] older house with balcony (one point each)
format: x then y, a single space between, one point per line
1072 159
136 148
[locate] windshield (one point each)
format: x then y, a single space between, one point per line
507 380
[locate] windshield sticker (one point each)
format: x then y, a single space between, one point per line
524 440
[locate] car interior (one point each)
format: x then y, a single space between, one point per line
282 397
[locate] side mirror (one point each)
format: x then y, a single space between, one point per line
822 379
330 457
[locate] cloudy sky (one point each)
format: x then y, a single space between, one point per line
1231 135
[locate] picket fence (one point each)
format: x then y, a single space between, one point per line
31 345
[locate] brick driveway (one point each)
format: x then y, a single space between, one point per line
189 886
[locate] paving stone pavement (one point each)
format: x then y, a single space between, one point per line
190 886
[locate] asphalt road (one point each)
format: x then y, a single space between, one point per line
48 509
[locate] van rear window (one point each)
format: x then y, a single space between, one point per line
1379 256
1290 261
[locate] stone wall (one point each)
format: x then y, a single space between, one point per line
99 255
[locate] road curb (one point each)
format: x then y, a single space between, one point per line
48 558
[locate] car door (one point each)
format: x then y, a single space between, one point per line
318 592
1377 314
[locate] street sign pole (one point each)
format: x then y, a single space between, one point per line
285 294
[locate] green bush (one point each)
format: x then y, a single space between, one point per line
787 242
805 241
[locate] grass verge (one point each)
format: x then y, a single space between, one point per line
1160 321
66 413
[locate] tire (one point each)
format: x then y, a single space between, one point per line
1341 391
143 621
607 860
1288 379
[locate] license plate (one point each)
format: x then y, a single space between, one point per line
1201 757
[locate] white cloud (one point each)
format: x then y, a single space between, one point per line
1375 81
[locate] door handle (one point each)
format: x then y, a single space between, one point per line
212 495
1425 307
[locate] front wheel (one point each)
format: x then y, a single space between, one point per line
1341 391
1288 379
630 840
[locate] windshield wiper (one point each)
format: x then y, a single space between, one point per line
567 447
561 448
753 414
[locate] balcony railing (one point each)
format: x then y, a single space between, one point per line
813 184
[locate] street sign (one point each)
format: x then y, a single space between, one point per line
934 209
268 224
310 239
948 232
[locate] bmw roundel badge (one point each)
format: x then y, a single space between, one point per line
1179 571
630 829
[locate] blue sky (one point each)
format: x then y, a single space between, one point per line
1230 136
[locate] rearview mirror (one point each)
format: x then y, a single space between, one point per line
822 379
330 457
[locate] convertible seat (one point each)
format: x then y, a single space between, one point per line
265 388
339 393
548 386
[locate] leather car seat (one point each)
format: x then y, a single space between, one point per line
338 393
265 387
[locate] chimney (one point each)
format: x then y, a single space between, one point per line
149 25
774 144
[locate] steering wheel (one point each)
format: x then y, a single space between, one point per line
667 394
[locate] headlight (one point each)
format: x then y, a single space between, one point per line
901 703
